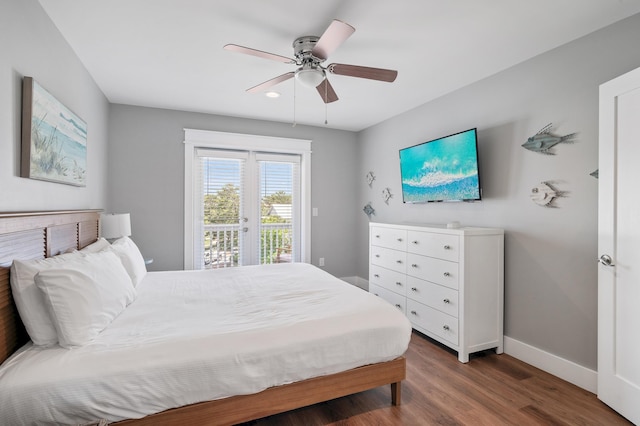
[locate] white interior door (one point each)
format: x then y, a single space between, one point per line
619 246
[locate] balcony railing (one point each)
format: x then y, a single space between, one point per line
276 243
222 244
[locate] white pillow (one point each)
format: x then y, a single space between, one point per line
131 258
97 246
85 295
30 301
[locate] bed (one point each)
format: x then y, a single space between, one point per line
374 340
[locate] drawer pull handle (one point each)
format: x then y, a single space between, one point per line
414 265
447 274
398 261
414 289
399 240
376 294
415 242
377 236
398 306
447 247
447 301
414 313
445 327
377 255
398 283
376 275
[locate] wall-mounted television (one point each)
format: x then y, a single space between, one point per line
444 169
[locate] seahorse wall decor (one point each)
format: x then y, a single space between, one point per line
370 178
386 195
544 140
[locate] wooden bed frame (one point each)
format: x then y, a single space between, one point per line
44 234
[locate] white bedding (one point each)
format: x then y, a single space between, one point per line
194 336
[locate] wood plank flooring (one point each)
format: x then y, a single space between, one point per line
490 390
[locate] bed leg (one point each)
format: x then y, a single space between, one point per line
396 393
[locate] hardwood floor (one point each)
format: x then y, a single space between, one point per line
490 390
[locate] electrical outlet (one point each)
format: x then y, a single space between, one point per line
315 211
321 261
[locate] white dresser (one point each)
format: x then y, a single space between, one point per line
449 282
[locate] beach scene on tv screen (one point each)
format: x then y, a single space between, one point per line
441 170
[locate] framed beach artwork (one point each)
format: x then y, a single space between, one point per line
54 139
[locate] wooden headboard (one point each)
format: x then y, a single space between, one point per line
35 236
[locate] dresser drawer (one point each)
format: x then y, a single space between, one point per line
437 271
388 258
391 280
394 298
442 298
433 321
389 238
441 246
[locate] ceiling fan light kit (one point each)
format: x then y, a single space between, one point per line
310 77
310 52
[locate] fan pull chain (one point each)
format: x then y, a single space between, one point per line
326 85
294 103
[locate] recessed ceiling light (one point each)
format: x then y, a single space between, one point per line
272 94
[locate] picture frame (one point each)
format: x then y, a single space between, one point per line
54 138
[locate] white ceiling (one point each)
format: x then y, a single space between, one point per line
168 53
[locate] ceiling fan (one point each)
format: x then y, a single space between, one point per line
310 52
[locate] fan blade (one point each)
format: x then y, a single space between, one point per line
258 53
326 91
335 34
262 86
363 72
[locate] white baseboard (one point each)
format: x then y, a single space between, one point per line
567 370
357 281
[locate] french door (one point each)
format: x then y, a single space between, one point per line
247 206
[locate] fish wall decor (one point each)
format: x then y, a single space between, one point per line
544 194
544 140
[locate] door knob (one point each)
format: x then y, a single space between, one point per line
606 260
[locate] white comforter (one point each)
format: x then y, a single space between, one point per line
194 336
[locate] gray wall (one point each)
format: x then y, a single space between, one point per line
550 272
32 46
146 179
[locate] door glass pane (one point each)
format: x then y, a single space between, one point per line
222 213
277 216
